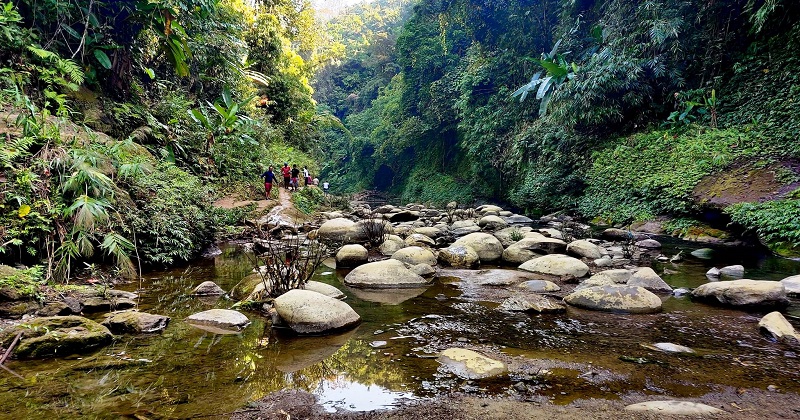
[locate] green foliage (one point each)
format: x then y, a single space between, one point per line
173 220
777 223
26 283
645 175
436 189
308 199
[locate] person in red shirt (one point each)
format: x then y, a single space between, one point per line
287 174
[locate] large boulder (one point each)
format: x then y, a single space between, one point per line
414 255
307 312
743 293
776 326
791 285
351 256
532 247
517 219
391 244
340 230
615 298
464 227
224 319
556 265
492 223
459 256
736 271
404 216
135 322
428 231
585 249
647 278
510 235
488 277
485 245
418 239
56 336
469 364
384 274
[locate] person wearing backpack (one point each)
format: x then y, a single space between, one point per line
287 174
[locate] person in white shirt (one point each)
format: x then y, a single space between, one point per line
306 176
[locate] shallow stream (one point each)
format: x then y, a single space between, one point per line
186 372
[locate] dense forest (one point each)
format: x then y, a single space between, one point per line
124 120
618 111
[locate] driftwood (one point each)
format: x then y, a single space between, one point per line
8 353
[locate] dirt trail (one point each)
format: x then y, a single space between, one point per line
280 210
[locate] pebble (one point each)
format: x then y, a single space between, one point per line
520 387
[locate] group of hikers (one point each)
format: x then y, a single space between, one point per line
291 178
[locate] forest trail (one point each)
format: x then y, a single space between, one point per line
282 207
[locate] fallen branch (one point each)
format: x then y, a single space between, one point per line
11 348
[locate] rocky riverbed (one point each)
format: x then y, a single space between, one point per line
475 302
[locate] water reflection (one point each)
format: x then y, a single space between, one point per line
290 354
387 296
343 394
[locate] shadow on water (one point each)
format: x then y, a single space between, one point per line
186 371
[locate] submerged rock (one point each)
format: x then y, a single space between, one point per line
539 286
307 312
225 319
743 293
669 348
556 265
384 274
56 336
678 408
208 288
469 364
135 322
613 298
776 326
531 303
703 253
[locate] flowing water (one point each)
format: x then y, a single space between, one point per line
185 372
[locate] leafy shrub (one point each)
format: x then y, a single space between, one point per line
308 199
654 173
173 219
25 282
436 188
776 222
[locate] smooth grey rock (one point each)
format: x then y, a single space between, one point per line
384 274
539 286
743 293
613 298
351 255
776 326
469 364
225 319
732 271
647 278
307 312
414 255
585 249
208 288
556 265
649 244
713 273
492 223
324 288
530 303
703 253
791 285
459 256
485 245
135 322
677 408
391 244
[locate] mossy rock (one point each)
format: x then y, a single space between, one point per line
245 286
17 284
16 309
56 336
